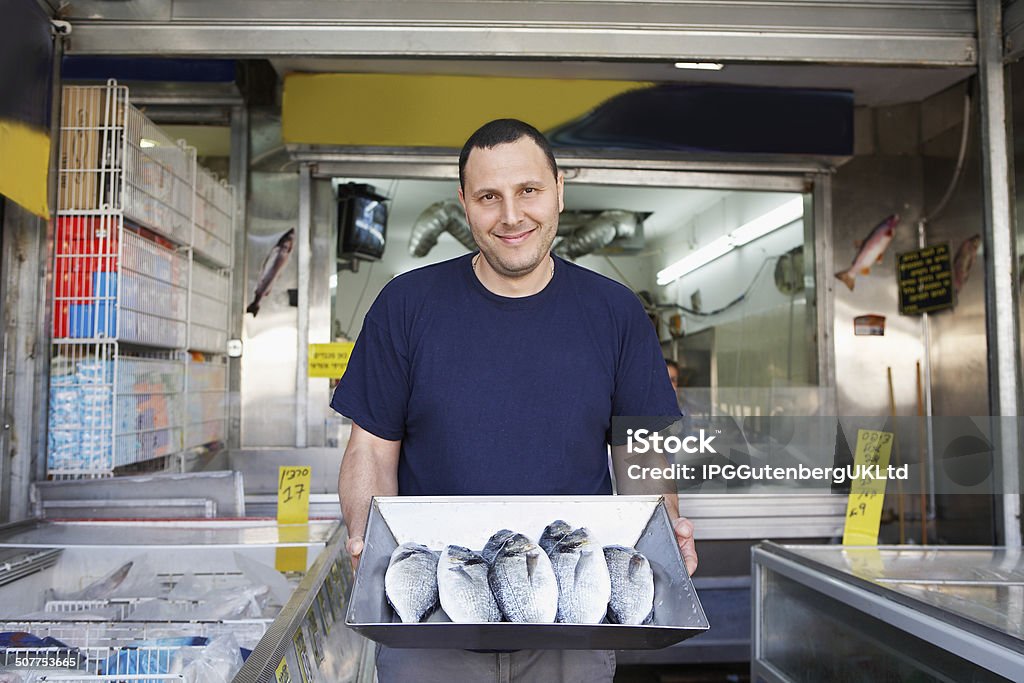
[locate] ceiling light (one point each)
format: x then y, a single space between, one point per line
692 262
773 220
748 232
702 66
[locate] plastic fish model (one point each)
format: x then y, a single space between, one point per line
521 579
463 588
272 265
632 594
964 261
871 251
410 581
584 586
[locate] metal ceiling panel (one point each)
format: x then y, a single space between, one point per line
910 32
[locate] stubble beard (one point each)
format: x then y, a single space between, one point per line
511 270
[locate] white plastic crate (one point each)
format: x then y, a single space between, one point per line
209 309
213 229
206 403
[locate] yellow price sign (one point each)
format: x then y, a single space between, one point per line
282 675
867 488
292 508
329 360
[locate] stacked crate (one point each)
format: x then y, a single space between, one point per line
123 291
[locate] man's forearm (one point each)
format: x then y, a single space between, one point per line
361 478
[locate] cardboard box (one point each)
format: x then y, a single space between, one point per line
81 119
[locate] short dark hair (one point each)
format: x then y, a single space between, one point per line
669 363
501 132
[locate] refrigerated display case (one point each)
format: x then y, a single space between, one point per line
887 613
117 600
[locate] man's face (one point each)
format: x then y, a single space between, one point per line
512 202
673 376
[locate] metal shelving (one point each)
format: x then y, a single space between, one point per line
137 219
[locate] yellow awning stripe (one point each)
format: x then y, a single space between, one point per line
24 164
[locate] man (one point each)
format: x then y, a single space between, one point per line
498 373
673 372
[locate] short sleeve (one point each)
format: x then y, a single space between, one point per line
374 391
642 385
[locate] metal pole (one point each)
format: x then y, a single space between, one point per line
819 229
1001 315
238 176
302 243
926 333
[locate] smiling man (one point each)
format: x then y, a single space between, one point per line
498 373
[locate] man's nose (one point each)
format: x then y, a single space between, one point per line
511 212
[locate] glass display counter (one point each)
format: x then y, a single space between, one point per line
887 614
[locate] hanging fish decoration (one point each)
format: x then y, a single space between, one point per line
272 265
966 254
870 251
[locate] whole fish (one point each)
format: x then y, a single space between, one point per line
632 598
463 588
964 261
521 579
584 586
410 581
105 587
553 533
871 251
273 263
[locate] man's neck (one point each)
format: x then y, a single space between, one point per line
514 287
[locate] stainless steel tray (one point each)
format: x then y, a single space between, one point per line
639 521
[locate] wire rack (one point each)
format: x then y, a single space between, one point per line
134 210
206 402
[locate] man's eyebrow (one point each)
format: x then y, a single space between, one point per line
526 183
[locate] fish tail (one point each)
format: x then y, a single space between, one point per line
848 279
254 308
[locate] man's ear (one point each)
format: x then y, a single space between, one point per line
560 183
462 201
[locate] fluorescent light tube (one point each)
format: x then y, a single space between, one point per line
748 232
692 262
702 66
773 220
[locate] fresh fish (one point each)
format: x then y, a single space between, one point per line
521 579
410 582
553 533
105 587
870 251
463 588
584 586
272 265
632 598
494 543
964 261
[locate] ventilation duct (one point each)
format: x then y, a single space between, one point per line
598 233
582 232
438 218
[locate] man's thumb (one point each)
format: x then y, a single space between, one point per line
354 546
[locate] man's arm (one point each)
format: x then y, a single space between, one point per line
624 464
369 468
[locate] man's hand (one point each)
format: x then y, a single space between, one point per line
354 546
683 529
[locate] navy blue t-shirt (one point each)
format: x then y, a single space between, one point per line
503 396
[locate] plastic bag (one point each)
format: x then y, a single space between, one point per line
218 662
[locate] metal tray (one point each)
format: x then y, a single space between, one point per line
638 521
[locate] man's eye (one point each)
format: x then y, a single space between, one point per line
487 197
528 190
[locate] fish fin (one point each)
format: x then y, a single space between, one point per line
649 619
848 279
253 308
857 244
531 566
879 259
865 271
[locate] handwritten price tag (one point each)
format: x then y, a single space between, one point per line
864 509
292 508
